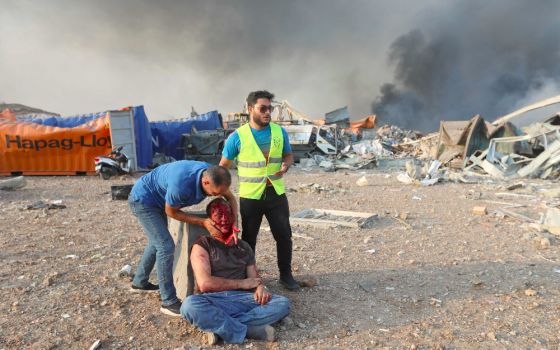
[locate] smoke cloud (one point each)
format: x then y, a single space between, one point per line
446 59
476 57
82 56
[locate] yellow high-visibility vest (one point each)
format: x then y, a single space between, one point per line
253 168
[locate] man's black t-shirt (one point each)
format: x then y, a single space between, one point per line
227 261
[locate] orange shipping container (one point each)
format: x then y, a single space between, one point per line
35 149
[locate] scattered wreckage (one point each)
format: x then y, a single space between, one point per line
459 151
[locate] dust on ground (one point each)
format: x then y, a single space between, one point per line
427 275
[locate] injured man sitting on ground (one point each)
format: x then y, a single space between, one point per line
233 303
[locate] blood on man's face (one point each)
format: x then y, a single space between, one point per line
222 215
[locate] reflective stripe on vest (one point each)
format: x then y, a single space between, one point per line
252 166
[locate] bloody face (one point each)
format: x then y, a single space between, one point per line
222 215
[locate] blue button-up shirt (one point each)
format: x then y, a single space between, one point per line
178 184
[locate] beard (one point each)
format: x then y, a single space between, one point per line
260 122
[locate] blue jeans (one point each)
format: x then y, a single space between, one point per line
229 313
159 251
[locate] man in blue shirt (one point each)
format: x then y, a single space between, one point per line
272 202
162 193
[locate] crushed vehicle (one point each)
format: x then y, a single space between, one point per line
307 140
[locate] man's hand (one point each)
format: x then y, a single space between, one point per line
233 236
210 225
250 283
283 169
262 295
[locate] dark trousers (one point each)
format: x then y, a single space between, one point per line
277 212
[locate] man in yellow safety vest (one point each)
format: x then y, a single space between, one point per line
263 155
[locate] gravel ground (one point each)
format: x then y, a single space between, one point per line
428 274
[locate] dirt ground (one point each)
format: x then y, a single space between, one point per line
429 274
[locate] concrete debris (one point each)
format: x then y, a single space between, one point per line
413 170
426 175
312 188
542 242
307 163
125 271
403 215
480 211
13 183
362 181
405 178
530 292
42 205
429 182
506 212
474 195
552 221
374 147
392 134
327 164
333 218
95 345
514 186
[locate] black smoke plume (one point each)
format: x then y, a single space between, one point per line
478 57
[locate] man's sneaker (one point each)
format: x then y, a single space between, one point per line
265 332
288 281
149 287
172 310
211 338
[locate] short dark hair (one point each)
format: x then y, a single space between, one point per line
215 201
255 95
219 175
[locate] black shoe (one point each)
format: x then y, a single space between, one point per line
149 287
172 310
288 281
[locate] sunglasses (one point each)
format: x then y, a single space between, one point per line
263 109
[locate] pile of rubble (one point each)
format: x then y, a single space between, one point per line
461 150
392 134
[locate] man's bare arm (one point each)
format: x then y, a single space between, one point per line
178 214
252 271
226 163
200 261
288 159
287 162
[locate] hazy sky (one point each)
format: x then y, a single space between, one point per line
74 57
